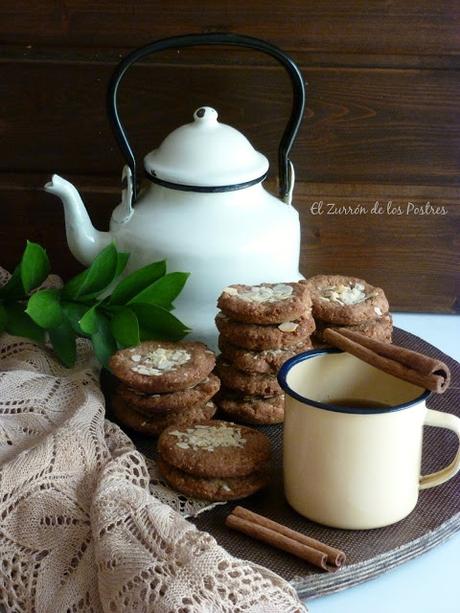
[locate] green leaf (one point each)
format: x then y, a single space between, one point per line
163 291
3 318
155 322
31 272
138 280
45 309
110 308
73 312
35 266
122 260
104 344
63 341
13 288
90 320
101 272
125 327
71 288
19 323
96 278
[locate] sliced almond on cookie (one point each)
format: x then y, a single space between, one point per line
288 326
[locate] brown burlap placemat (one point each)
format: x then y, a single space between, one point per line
369 552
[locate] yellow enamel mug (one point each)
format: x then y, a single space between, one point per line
355 468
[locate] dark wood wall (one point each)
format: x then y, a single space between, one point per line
382 122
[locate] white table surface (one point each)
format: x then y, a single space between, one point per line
431 582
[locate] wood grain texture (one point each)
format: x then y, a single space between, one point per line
393 28
414 257
361 125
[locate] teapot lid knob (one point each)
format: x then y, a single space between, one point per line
205 114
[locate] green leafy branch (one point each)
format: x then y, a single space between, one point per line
138 308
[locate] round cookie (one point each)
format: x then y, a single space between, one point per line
254 410
162 366
214 489
268 361
258 338
267 303
215 449
249 383
147 404
156 424
345 300
379 329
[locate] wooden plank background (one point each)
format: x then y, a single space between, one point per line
382 122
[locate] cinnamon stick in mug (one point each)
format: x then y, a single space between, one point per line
398 361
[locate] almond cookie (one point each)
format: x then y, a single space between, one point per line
147 404
215 449
345 300
214 489
248 383
155 424
258 338
254 410
268 361
267 303
378 329
161 366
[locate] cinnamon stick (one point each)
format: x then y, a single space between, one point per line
279 536
403 363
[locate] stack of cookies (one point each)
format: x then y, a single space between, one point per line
163 384
340 301
216 460
260 327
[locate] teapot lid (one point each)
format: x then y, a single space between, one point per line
206 156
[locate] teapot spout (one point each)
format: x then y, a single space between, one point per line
84 241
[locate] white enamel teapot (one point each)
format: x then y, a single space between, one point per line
204 209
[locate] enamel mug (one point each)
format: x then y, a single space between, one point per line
355 468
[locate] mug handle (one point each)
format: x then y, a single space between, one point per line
451 422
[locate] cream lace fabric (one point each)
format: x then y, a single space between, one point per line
83 525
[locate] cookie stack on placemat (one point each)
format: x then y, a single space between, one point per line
216 460
340 301
163 384
260 327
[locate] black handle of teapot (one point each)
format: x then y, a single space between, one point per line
217 38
